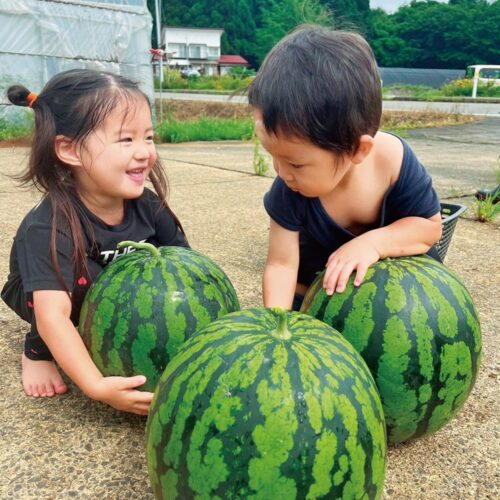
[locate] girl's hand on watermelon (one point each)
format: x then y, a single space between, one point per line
358 254
121 393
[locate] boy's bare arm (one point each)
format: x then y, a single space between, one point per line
52 311
408 236
280 274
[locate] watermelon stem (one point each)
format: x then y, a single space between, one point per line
281 331
140 246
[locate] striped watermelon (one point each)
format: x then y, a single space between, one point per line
143 306
267 404
417 328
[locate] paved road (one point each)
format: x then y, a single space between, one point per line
466 108
463 108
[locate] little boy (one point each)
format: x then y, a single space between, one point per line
346 195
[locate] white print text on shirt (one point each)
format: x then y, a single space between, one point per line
108 256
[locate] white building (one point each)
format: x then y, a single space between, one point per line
194 49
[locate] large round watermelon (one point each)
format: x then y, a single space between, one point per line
143 306
417 328
266 404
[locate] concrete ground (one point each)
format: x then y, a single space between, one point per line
72 447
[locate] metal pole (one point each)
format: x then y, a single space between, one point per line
474 86
158 44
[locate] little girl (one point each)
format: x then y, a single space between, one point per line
92 153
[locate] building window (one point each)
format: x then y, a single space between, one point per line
177 50
213 52
197 51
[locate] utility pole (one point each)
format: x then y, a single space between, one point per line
158 44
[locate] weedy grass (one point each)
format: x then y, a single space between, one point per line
205 129
487 209
192 121
260 162
420 92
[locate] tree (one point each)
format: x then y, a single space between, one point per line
349 14
436 35
450 35
389 48
284 15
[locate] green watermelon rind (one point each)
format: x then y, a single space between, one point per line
239 413
140 310
417 328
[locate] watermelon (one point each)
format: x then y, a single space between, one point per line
143 306
416 327
268 404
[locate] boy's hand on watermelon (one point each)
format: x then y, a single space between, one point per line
356 255
121 393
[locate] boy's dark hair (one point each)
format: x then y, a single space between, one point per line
74 104
321 85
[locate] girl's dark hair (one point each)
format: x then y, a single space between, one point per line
74 104
321 85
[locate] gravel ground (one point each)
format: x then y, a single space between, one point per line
72 447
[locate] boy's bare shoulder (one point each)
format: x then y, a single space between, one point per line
388 155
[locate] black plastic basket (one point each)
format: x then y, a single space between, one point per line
449 216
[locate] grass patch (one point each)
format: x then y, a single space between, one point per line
402 121
419 92
205 129
457 89
202 121
488 209
260 162
173 80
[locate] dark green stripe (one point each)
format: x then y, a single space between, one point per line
234 387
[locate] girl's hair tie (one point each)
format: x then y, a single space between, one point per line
31 99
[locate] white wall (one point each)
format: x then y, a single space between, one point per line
208 37
40 39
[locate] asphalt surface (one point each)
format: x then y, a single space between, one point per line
479 109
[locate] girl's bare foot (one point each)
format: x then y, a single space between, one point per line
41 378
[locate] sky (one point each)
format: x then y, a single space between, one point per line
391 6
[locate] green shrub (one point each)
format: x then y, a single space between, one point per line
9 131
173 80
412 91
238 72
205 129
464 88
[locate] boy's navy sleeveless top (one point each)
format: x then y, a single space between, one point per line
411 195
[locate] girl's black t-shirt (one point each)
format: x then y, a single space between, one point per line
31 266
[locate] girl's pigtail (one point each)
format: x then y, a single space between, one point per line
21 96
18 95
